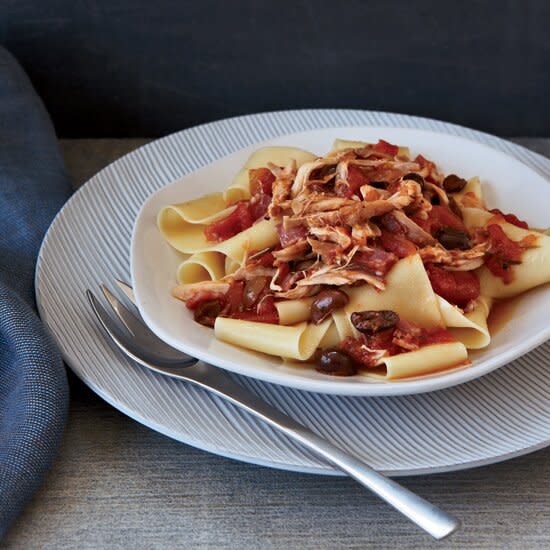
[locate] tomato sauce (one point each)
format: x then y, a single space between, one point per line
502 311
247 212
363 349
457 287
436 335
266 312
504 252
398 244
510 218
239 220
439 217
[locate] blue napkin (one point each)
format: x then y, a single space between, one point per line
33 384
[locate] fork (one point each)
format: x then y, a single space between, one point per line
132 336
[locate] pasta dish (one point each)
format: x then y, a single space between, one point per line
363 261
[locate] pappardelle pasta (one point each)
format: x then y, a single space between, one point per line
362 261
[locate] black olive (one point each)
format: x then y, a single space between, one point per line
326 302
371 322
337 363
206 312
452 238
452 183
379 184
434 199
415 177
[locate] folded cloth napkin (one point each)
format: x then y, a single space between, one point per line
33 384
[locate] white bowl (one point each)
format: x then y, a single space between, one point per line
507 184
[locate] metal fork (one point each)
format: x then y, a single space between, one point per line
139 343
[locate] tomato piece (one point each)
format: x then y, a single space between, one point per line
258 206
284 270
444 217
266 312
383 340
265 260
290 236
234 297
397 244
426 225
239 220
356 179
439 217
503 253
457 287
260 181
376 261
391 224
510 218
424 162
386 148
500 268
199 297
436 335
361 349
358 350
261 188
502 246
267 305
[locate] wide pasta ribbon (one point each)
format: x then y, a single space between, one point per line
408 292
469 328
182 225
534 268
294 342
471 196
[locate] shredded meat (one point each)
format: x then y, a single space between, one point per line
436 190
281 186
251 271
374 170
339 277
412 230
361 232
304 172
298 292
214 289
370 193
329 252
407 336
455 260
308 203
294 251
338 235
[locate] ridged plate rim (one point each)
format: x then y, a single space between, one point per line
254 128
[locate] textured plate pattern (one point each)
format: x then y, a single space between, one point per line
501 415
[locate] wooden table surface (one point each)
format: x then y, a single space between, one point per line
118 484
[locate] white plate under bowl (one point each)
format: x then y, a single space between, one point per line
154 262
503 414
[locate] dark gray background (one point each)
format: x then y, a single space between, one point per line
147 68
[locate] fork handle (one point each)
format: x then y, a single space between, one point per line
428 517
